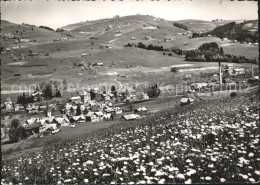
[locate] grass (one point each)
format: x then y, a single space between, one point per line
30 144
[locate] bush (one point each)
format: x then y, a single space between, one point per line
233 94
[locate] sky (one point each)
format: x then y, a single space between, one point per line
55 14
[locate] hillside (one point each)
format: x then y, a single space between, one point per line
243 32
197 25
28 31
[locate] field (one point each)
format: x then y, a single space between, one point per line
170 147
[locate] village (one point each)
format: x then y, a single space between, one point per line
117 95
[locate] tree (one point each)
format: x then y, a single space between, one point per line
221 52
15 132
92 94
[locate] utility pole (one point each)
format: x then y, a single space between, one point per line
252 70
220 76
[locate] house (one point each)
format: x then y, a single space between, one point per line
109 110
238 71
99 114
98 64
33 54
80 73
141 110
62 121
91 117
106 97
118 110
19 107
75 99
185 101
25 40
84 54
131 117
8 105
144 96
78 119
133 38
198 85
31 129
37 96
108 116
17 74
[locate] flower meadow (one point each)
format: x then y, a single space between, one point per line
207 142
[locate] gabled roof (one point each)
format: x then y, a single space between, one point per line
140 109
131 116
32 126
99 113
89 114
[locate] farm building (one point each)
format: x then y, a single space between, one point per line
78 119
84 54
185 101
141 110
85 96
98 64
238 71
131 117
19 107
104 46
17 74
93 117
31 129
33 54
198 85
75 99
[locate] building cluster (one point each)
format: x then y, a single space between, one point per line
47 119
229 69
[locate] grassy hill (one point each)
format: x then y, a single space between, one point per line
243 32
26 31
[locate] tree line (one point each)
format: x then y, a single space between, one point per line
179 25
212 52
231 31
155 48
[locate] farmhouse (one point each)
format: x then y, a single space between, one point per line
25 40
85 96
33 54
198 85
238 71
130 117
91 116
78 119
19 107
8 106
31 129
98 64
75 99
185 101
103 46
84 54
17 74
141 110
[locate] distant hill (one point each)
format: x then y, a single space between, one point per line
197 25
243 32
28 31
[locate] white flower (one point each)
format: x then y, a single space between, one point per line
180 176
222 180
208 178
252 180
251 154
188 181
